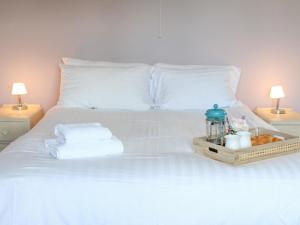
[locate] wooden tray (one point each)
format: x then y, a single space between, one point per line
290 144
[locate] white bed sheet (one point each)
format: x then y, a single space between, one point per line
157 181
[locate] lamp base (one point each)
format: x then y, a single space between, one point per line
278 111
20 107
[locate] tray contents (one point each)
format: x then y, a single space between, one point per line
265 139
233 133
242 139
216 125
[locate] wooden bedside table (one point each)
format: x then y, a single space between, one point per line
14 123
287 123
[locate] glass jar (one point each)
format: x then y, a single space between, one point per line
216 125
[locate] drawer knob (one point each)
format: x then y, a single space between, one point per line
4 133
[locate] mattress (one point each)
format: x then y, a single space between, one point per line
158 180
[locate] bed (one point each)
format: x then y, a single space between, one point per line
158 180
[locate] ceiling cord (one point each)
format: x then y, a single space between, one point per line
160 29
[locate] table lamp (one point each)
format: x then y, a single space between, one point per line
277 93
19 89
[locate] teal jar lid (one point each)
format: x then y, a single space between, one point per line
216 113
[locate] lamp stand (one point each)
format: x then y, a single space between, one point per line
277 110
20 105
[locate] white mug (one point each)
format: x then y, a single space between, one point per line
245 139
232 141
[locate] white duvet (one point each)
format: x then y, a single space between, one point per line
157 181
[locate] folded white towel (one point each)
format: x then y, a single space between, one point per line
81 132
84 150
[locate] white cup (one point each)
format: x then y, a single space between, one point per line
232 141
245 139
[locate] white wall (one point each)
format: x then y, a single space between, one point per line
262 37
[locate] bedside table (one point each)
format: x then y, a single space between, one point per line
14 123
287 123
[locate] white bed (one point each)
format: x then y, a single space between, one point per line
157 181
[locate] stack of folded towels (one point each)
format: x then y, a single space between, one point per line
83 141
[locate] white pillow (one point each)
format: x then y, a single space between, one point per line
233 73
192 89
82 62
105 87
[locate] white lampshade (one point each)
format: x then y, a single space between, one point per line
277 92
18 89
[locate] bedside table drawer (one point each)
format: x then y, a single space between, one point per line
9 130
290 129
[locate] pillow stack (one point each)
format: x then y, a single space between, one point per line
137 86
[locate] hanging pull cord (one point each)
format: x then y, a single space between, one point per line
160 28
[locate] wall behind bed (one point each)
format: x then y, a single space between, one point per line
262 37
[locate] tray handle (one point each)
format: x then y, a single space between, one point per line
213 150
